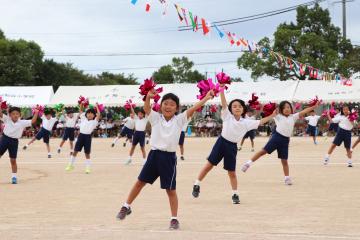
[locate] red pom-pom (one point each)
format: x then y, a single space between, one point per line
101 107
156 107
207 85
353 116
129 104
253 102
222 78
315 101
40 108
331 112
147 86
83 101
269 108
297 106
3 104
213 108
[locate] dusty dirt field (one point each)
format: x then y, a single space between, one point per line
48 203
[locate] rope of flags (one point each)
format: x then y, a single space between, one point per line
200 24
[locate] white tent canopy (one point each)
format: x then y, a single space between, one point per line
27 96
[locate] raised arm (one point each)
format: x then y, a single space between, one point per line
81 109
98 113
190 112
223 98
1 113
35 117
147 106
268 118
307 110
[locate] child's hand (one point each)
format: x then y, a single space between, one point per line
210 95
151 93
36 111
275 112
222 85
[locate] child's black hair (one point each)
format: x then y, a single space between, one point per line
342 107
14 109
142 111
242 103
90 110
48 112
171 96
70 110
282 106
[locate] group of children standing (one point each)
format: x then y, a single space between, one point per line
168 131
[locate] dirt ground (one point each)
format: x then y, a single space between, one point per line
49 203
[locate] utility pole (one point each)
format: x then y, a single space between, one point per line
344 17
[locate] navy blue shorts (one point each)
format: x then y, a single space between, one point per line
44 135
280 143
334 127
139 137
311 130
83 141
160 164
127 132
10 145
69 134
224 149
250 134
182 138
343 135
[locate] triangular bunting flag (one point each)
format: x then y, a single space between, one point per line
204 26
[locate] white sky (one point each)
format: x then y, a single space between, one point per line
113 26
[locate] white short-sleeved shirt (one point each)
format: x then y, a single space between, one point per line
86 126
285 125
184 129
129 123
71 122
140 124
14 129
165 134
48 124
344 122
313 120
234 130
252 117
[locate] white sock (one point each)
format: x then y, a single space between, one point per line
197 182
87 162
327 156
130 157
72 160
49 153
235 192
13 175
115 140
287 177
173 218
126 205
249 162
349 161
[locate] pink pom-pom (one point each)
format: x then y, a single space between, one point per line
207 85
315 101
222 78
253 102
353 116
83 101
101 107
3 104
129 104
147 86
269 108
297 106
330 112
40 108
200 109
156 107
213 108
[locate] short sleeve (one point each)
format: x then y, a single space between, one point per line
26 123
153 117
225 114
82 116
4 118
336 119
296 116
307 118
252 124
182 119
318 117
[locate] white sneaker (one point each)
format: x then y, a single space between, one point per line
326 160
350 164
127 162
253 150
288 181
245 167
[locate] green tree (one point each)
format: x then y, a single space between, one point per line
180 71
107 78
2 35
312 40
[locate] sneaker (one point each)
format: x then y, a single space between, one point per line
59 151
124 211
326 160
25 147
87 170
69 167
235 199
288 181
49 155
239 149
13 180
253 150
127 162
315 143
147 142
245 167
350 164
182 158
174 224
196 191
113 145
124 145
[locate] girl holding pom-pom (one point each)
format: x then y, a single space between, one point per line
285 122
235 126
69 133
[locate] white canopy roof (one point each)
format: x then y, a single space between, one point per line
27 96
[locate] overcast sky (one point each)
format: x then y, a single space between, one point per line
115 26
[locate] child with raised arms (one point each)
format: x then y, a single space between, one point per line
250 134
13 130
235 126
161 162
280 139
69 131
127 130
312 129
89 121
343 134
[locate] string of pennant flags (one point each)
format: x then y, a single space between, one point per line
199 24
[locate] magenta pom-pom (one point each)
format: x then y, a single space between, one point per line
147 86
353 116
40 108
223 78
207 85
129 104
254 103
315 101
3 104
269 108
156 107
83 101
213 108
